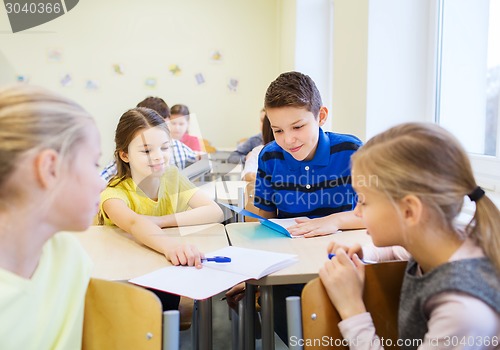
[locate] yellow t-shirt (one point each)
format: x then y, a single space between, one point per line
46 311
174 194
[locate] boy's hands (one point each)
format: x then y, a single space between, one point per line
343 279
184 254
314 227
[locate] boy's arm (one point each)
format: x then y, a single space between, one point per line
326 225
267 214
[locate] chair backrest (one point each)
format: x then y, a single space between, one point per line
197 169
119 315
381 296
249 196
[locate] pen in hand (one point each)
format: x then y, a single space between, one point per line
218 259
331 255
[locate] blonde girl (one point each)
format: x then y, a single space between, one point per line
411 181
49 182
147 194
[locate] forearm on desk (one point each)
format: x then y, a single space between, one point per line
347 221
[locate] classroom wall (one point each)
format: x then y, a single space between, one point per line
146 37
384 64
382 59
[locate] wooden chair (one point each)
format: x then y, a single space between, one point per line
381 296
119 315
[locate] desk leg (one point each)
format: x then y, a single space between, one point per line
249 317
205 328
266 308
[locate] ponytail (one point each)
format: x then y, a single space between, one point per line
484 228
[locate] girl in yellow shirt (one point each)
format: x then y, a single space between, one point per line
147 194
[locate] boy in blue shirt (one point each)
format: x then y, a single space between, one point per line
304 172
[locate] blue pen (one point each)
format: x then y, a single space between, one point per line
218 259
331 255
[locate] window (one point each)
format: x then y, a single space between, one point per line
468 81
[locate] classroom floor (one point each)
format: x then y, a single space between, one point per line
221 329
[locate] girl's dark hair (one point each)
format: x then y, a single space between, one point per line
180 109
267 132
131 122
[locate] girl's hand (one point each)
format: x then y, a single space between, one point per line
185 254
343 279
314 227
354 249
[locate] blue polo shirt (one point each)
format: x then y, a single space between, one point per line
314 188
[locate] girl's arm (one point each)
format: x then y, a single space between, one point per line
148 233
204 211
343 279
456 321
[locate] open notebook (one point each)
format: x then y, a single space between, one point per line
279 225
214 277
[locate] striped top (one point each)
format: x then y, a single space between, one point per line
314 188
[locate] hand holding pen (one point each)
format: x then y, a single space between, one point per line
350 250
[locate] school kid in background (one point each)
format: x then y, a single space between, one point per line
245 147
178 123
411 182
249 172
182 155
147 194
49 154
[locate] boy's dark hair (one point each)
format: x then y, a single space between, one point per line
293 89
156 104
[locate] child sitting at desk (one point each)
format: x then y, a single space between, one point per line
249 172
182 155
178 123
411 182
49 154
147 194
304 172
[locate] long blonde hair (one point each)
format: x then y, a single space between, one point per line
34 118
427 161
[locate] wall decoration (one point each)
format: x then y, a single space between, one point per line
175 70
22 78
92 85
216 56
118 69
232 85
54 55
150 82
200 79
66 81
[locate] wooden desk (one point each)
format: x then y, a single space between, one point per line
118 256
311 253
